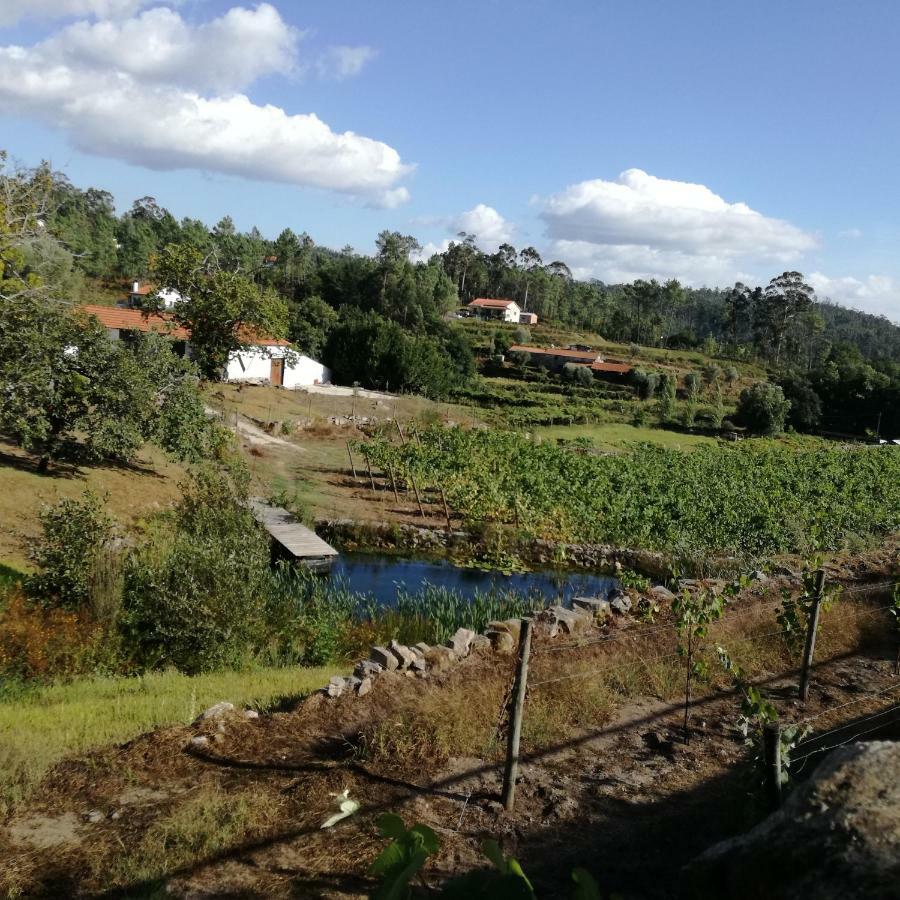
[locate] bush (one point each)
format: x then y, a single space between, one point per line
762 408
73 548
806 406
194 598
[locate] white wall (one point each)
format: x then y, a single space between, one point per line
511 313
255 364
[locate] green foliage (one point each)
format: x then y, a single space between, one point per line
750 499
224 310
763 408
403 858
195 598
77 392
76 532
793 616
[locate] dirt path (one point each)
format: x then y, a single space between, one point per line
253 434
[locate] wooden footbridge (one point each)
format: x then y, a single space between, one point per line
291 539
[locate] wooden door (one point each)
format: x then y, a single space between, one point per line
276 376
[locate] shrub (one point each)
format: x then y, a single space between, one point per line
194 599
762 408
76 537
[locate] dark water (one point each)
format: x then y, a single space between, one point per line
381 576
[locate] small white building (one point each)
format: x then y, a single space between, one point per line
265 360
273 362
140 292
502 310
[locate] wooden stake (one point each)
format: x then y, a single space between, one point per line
393 483
517 707
446 510
371 476
399 430
412 478
772 758
811 630
352 466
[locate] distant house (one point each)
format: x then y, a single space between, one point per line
137 297
527 318
265 360
502 310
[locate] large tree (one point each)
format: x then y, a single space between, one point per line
224 310
74 392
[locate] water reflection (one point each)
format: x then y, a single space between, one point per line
381 576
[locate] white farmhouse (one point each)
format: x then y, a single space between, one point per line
264 360
503 310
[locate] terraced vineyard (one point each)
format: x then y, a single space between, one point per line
751 499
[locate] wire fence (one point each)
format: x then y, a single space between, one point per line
632 638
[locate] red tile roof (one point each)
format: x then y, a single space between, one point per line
492 304
163 323
575 355
621 368
136 320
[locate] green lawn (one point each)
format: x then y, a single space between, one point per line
48 723
617 436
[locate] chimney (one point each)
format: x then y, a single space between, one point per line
135 287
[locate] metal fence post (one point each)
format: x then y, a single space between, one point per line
517 706
811 630
772 759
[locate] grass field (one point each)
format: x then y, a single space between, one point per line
132 492
46 724
617 436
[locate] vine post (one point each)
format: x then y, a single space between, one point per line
813 626
517 708
352 465
772 760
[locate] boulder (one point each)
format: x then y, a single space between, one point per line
571 621
480 642
421 648
461 642
216 711
661 594
837 837
405 656
367 669
387 660
439 659
419 664
620 603
511 626
250 714
596 606
336 686
365 686
501 641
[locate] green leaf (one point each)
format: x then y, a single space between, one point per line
585 886
396 882
390 825
491 849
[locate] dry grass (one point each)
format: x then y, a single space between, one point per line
132 492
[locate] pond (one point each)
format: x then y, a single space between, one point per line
381 576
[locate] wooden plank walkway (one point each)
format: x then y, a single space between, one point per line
302 543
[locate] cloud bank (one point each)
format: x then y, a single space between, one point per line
157 91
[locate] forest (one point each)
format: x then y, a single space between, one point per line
384 320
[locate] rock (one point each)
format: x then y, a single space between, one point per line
251 714
337 685
759 575
199 741
501 641
837 837
571 621
367 669
621 604
215 711
511 626
421 648
661 594
387 660
596 606
364 687
440 658
419 664
405 656
94 816
461 642
480 642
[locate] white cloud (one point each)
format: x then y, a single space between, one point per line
853 233
159 47
341 61
877 294
643 226
14 10
428 249
488 226
134 90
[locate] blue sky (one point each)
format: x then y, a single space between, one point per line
706 141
